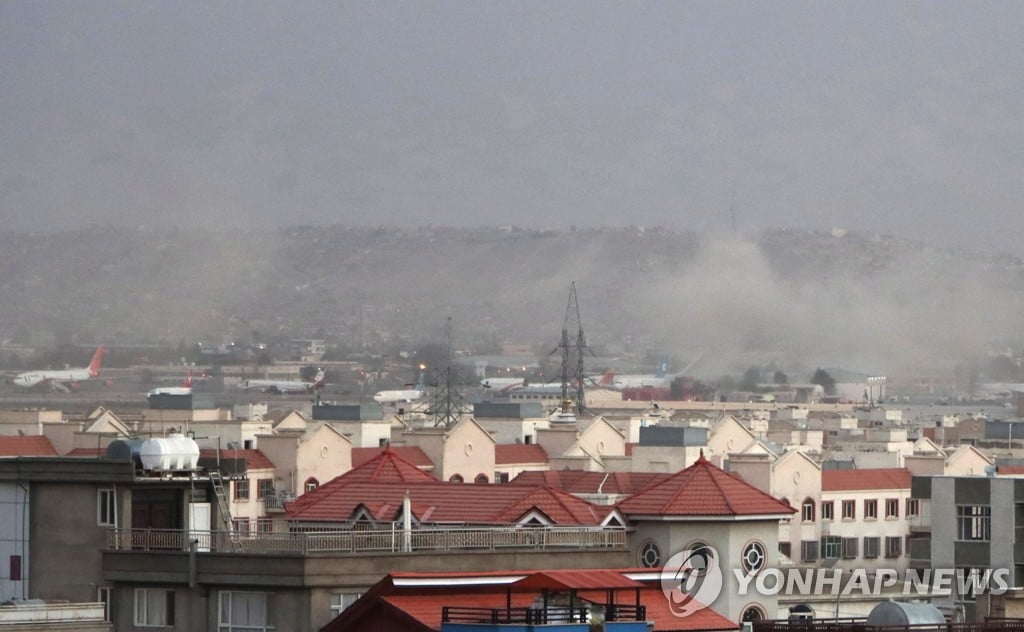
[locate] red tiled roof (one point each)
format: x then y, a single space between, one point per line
1010 469
386 466
254 459
577 579
426 608
582 482
703 490
34 445
409 453
871 478
93 453
440 502
510 453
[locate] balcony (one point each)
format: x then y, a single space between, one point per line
274 503
83 616
367 542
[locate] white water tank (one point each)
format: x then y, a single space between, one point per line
172 453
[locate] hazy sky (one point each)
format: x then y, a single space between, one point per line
894 117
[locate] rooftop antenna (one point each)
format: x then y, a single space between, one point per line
448 405
572 377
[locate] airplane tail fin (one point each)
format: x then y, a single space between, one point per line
188 379
606 378
318 379
662 370
97 361
421 383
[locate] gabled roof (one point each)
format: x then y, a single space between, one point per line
583 482
703 491
408 453
254 459
443 503
513 453
866 479
34 445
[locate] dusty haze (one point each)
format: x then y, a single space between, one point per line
898 118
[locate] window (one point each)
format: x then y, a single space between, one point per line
754 557
341 601
893 546
974 522
785 548
481 479
310 484
264 488
240 526
892 508
501 477
753 613
913 508
243 612
242 489
827 510
807 510
849 510
104 594
105 508
455 478
831 546
870 509
154 607
850 548
264 525
871 547
808 550
650 555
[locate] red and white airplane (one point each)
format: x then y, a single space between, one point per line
184 389
63 380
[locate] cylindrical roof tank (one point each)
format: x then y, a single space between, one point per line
898 613
172 453
125 450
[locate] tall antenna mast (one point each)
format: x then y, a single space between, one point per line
448 405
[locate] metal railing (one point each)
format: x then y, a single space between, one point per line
525 616
860 625
276 501
360 542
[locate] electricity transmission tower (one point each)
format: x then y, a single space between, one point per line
572 351
448 405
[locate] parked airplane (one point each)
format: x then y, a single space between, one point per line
63 380
503 384
184 389
407 395
286 386
661 378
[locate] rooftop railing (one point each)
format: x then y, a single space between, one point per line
366 542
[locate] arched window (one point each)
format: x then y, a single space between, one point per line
807 510
310 484
753 613
753 557
481 479
456 478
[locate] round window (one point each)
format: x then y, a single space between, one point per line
650 555
754 557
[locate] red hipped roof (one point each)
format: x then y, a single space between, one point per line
703 490
513 453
